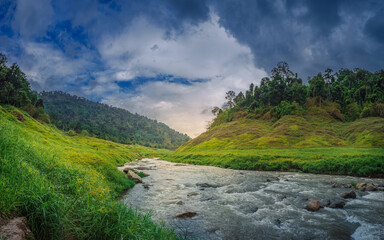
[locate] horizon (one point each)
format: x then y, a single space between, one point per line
173 61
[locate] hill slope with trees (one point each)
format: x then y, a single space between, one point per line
332 125
70 112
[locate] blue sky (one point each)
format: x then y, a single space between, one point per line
174 59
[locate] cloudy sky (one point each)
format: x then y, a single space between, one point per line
172 60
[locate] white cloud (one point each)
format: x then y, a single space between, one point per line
205 51
49 67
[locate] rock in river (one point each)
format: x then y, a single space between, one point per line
133 176
339 204
350 194
186 215
313 206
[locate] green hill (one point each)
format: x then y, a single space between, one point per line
290 131
70 112
67 186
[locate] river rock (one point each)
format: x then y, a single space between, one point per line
327 203
180 203
186 215
277 177
16 229
133 176
145 168
125 170
313 206
350 194
371 187
191 194
334 185
339 204
361 185
205 185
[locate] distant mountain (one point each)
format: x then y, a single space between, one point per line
70 112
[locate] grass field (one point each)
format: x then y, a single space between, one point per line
314 142
67 187
329 160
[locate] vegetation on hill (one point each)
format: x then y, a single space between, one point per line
15 90
346 95
67 186
334 125
69 112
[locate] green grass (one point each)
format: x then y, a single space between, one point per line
67 187
315 142
327 160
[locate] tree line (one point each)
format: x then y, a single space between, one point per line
356 93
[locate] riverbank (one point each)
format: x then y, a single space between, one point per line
363 162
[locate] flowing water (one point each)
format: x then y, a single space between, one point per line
234 204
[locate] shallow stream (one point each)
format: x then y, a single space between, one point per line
234 204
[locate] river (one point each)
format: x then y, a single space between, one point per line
236 204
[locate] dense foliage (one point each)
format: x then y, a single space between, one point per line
69 112
15 90
357 94
67 186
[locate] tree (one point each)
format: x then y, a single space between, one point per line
283 70
215 110
230 95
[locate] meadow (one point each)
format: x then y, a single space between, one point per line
68 186
367 162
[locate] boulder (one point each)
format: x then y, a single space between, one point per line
327 203
133 176
334 185
16 229
361 185
339 204
371 187
186 215
180 203
350 194
125 170
313 206
277 177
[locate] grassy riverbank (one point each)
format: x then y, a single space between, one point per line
328 160
67 186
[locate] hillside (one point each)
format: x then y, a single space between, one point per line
69 112
333 125
66 186
290 131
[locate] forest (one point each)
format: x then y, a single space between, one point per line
82 116
352 94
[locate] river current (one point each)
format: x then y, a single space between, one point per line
235 204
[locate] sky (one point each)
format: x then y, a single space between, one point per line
173 60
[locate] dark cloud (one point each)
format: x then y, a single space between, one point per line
194 10
374 27
309 35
